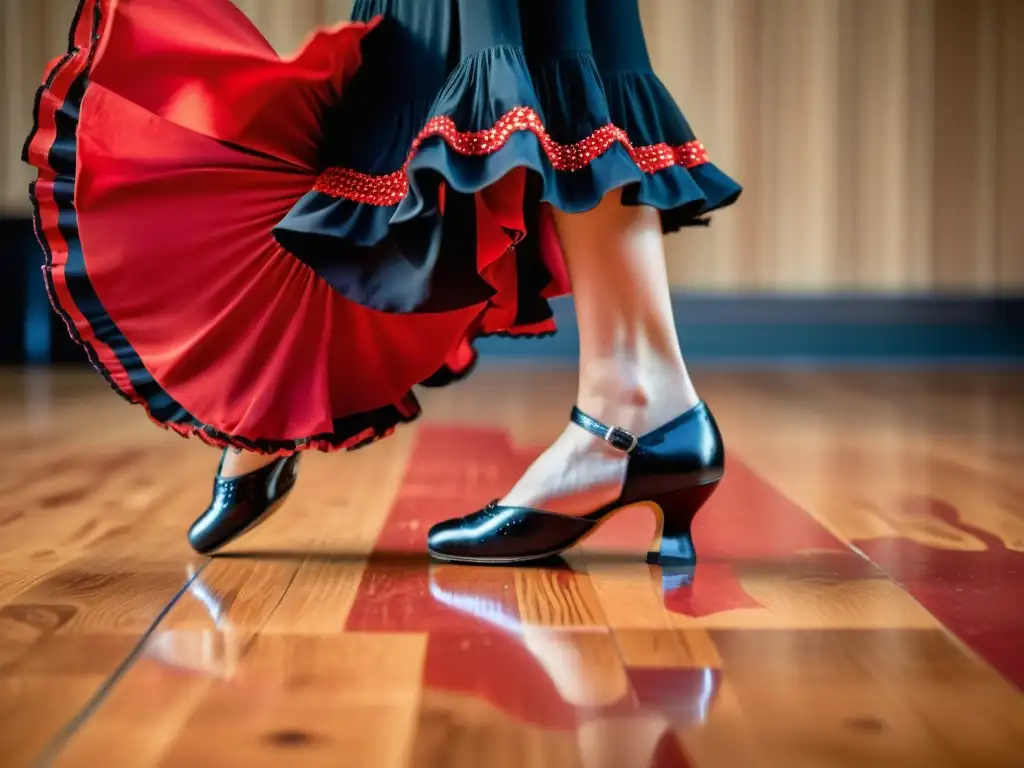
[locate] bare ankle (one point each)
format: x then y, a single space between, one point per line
237 463
633 394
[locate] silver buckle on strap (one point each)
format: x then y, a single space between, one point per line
621 439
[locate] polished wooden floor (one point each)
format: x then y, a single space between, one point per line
857 602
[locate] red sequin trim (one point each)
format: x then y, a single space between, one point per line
389 189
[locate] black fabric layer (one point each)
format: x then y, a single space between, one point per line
579 65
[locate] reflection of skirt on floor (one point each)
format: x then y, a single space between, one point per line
270 253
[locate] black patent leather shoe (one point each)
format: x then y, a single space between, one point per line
673 470
241 503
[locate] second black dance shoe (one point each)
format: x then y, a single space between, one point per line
241 503
673 469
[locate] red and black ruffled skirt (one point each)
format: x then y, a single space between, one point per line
270 253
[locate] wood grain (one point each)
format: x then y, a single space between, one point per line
855 601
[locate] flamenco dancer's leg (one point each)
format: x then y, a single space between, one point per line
631 368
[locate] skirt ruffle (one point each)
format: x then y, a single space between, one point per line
169 140
577 133
628 134
271 253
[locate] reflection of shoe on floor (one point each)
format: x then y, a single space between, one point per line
676 577
486 594
582 663
642 741
216 651
684 695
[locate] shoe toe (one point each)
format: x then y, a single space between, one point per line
448 538
207 534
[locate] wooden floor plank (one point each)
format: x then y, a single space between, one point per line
855 602
88 562
883 697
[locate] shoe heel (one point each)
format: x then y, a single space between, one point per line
673 544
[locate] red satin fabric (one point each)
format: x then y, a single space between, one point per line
64 71
194 140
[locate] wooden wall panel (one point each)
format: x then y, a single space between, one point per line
879 141
1009 196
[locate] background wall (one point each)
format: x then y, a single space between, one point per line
881 142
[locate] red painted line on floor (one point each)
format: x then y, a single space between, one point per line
975 594
477 648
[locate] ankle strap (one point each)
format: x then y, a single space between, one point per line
617 437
